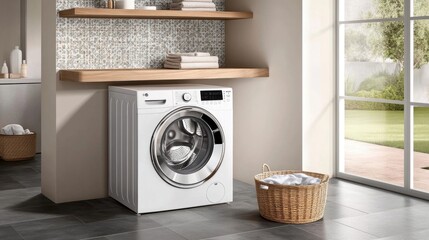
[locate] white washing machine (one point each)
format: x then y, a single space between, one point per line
170 146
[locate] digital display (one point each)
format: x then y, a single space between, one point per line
211 95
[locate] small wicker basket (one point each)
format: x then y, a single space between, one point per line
291 204
17 147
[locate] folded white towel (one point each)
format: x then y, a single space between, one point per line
12 129
192 5
190 65
195 54
191 59
179 1
149 8
296 179
196 9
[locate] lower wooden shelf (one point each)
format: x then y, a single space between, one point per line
129 75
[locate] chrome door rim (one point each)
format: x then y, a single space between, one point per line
207 171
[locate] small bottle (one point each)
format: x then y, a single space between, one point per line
111 4
15 61
5 70
24 71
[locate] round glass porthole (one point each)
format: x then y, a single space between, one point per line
187 147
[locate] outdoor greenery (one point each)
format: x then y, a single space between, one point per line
387 128
381 123
382 85
385 39
357 46
392 33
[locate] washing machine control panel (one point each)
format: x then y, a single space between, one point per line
204 97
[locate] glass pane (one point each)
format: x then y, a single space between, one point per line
421 149
374 60
370 9
421 7
187 145
374 141
421 60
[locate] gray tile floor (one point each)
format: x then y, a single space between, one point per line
353 211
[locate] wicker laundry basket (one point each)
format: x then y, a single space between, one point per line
291 204
17 147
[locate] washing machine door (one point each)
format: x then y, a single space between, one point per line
187 147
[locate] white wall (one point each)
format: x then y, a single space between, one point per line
318 93
267 111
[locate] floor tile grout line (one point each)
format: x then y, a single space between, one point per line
348 207
257 230
27 221
422 229
170 225
378 212
23 208
221 217
378 190
116 234
358 229
297 226
80 220
102 220
372 235
19 234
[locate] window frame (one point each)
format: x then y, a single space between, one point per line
408 20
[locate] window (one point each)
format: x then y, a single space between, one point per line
383 93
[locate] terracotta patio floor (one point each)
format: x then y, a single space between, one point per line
384 164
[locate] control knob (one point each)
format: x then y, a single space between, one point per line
187 97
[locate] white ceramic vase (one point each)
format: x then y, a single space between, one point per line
125 4
15 60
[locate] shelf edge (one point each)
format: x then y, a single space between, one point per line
152 14
141 75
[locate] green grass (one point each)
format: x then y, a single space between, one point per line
387 128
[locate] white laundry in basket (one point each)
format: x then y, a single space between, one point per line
296 179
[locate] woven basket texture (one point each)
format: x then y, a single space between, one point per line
291 204
17 147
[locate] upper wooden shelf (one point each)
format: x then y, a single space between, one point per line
152 14
129 75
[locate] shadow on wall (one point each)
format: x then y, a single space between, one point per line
82 140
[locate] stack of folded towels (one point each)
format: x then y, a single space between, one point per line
191 60
193 5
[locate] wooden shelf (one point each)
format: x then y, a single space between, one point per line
128 75
152 14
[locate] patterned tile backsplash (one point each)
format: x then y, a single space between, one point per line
132 43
